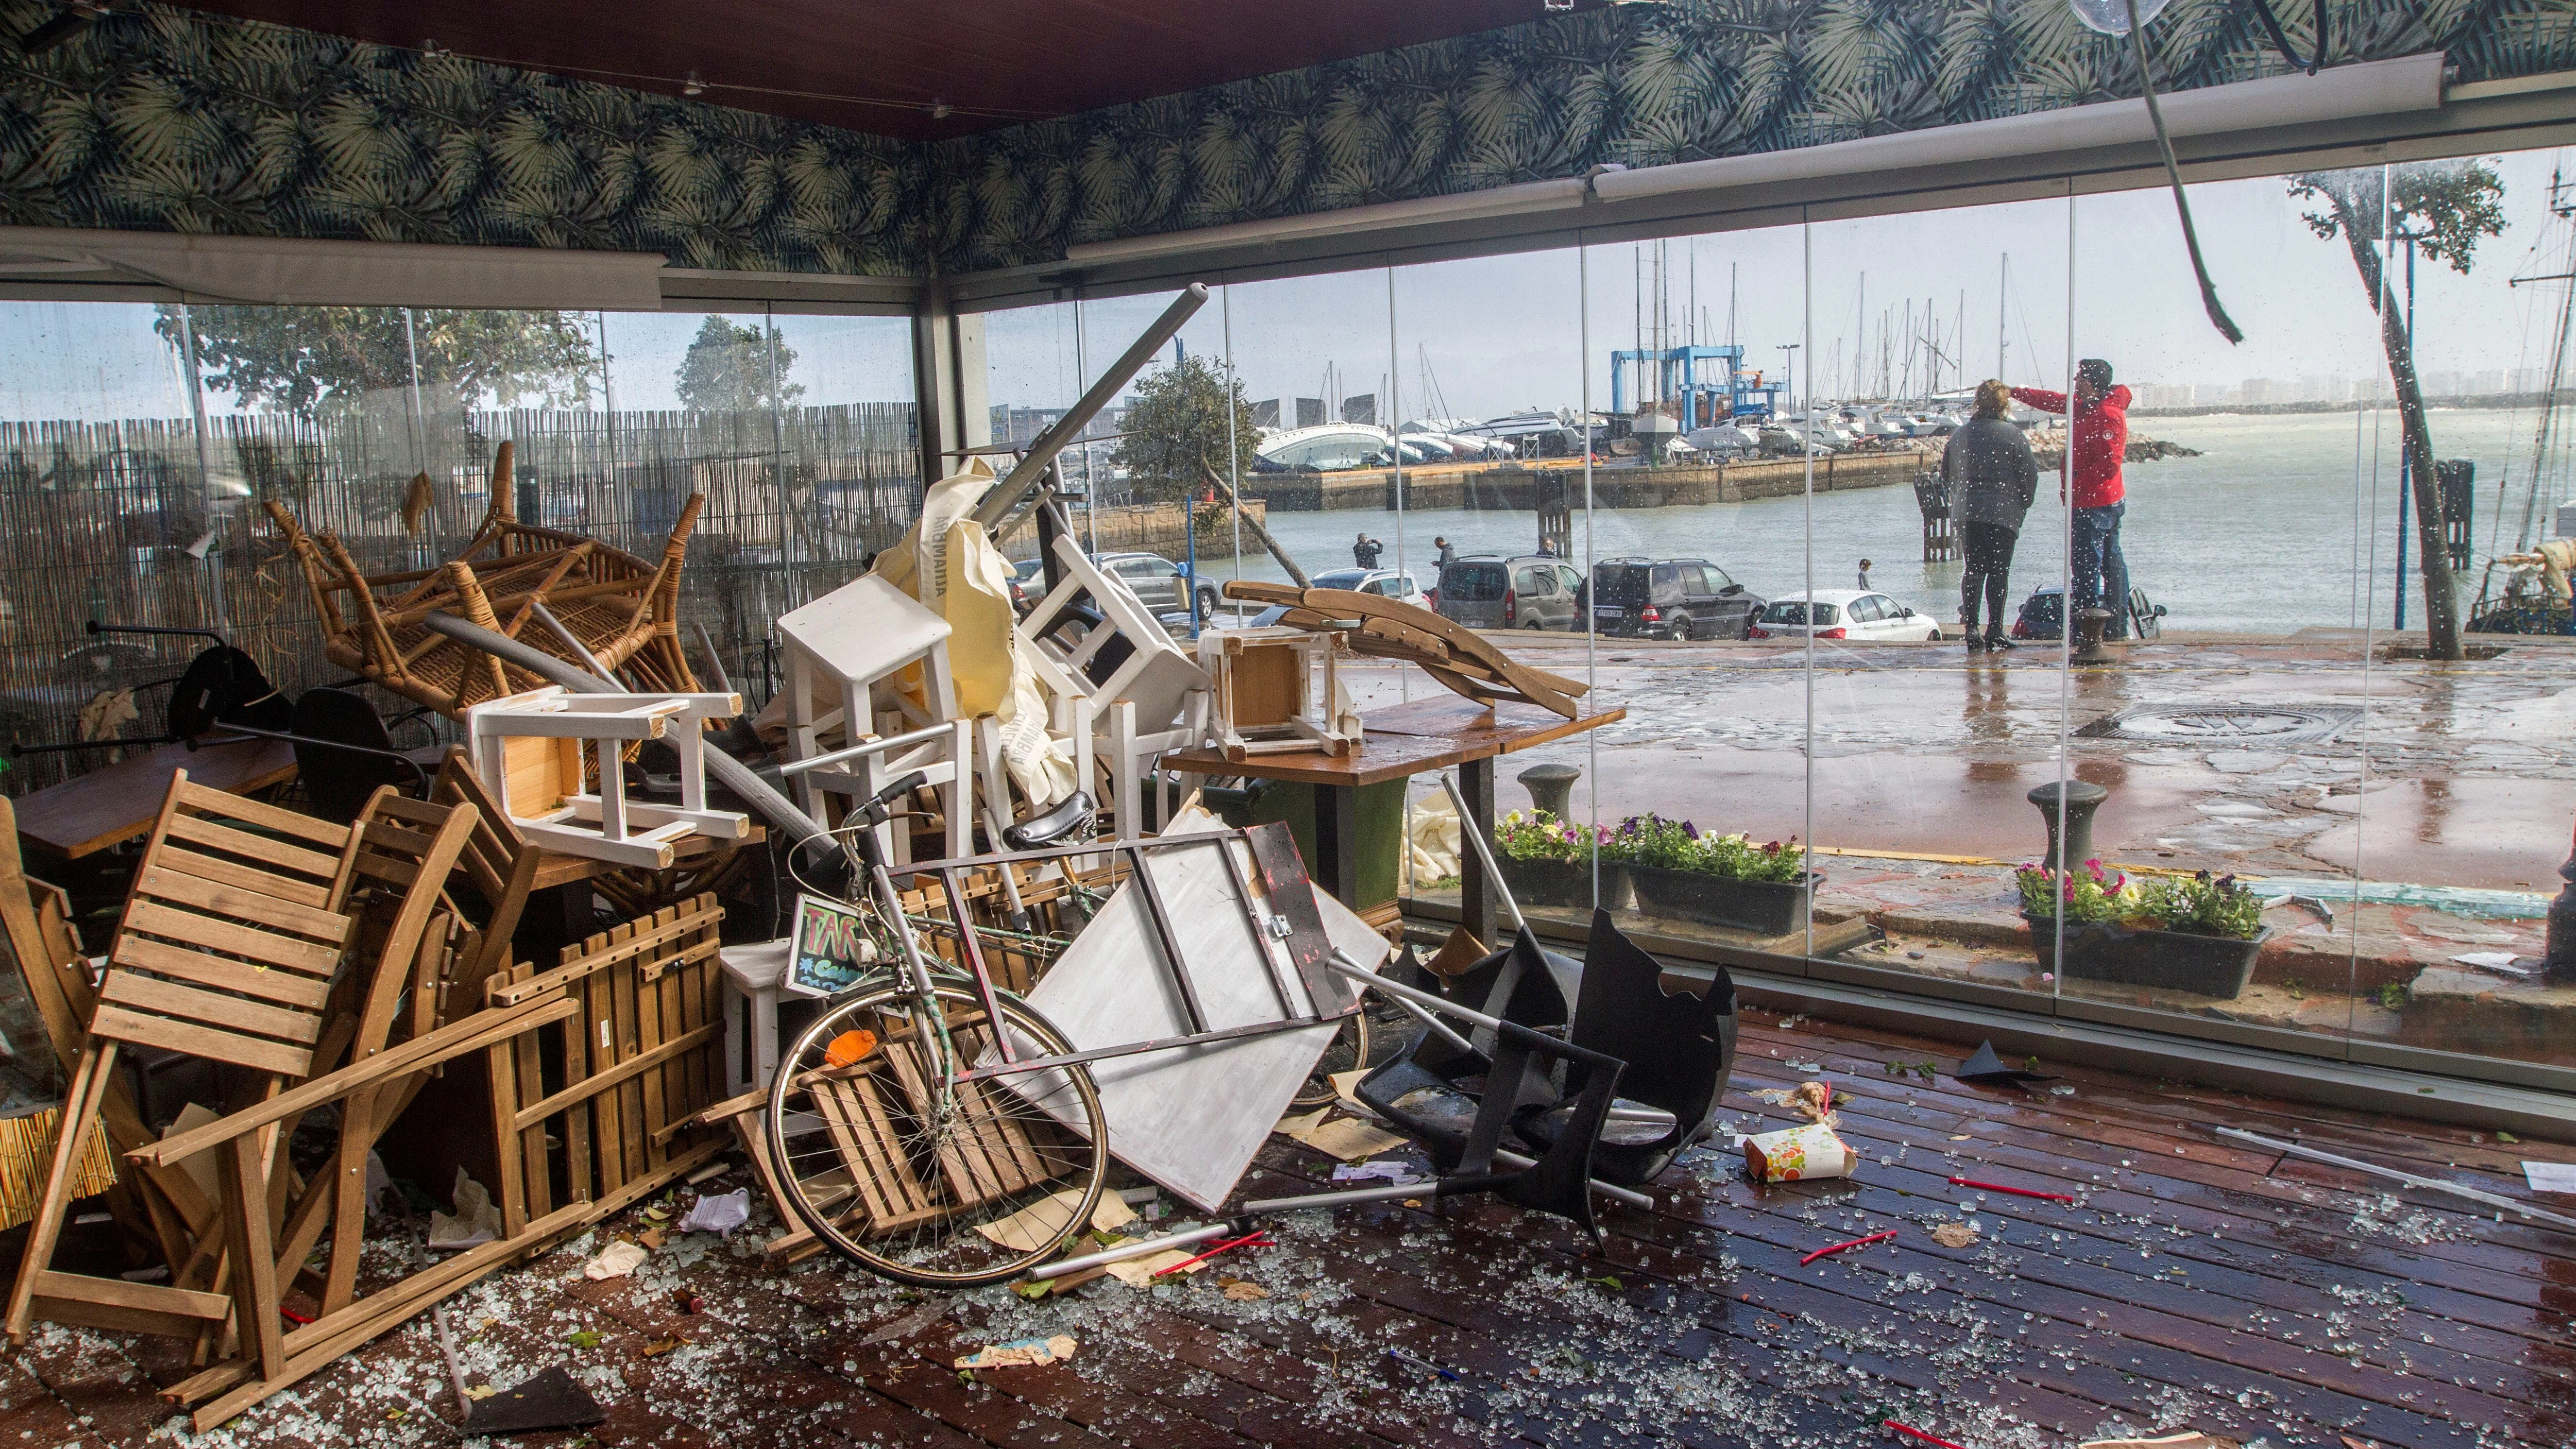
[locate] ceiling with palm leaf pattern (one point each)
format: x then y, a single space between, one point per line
166 119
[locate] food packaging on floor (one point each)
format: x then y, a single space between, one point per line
1797 1154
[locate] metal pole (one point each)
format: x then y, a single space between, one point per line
2406 456
1016 485
205 470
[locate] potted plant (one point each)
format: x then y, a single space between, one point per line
1549 862
2198 934
1681 871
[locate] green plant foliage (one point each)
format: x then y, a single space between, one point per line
1538 835
1178 423
2087 895
1653 841
2202 905
303 359
732 368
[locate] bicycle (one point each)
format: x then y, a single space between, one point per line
902 1137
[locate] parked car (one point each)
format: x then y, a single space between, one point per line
1160 584
1842 614
1028 583
2043 614
1386 583
1678 598
1489 591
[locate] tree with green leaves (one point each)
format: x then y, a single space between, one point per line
735 368
1177 426
2444 208
303 360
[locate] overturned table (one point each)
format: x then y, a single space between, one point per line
1402 741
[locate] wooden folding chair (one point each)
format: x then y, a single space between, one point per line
226 950
498 862
162 1207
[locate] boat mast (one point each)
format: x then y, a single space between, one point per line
2003 307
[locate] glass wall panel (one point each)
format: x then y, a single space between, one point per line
104 484
2456 820
1932 721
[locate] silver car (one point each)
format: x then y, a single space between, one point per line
1530 591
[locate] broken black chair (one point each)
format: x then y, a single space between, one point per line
1679 1047
1434 1091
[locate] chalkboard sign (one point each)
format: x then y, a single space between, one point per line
830 948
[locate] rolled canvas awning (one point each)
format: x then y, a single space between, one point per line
325 273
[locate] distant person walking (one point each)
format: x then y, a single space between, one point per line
1365 552
1444 557
2099 498
1992 478
1864 576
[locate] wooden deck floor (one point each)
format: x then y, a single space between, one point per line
2195 1284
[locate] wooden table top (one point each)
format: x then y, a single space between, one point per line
118 802
1408 739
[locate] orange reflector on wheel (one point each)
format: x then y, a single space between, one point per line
849 1049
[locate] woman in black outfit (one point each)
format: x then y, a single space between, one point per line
1992 479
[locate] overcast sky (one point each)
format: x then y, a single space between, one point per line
1505 333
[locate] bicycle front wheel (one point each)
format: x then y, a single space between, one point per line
891 1163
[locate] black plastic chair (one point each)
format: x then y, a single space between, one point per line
1434 1092
1679 1047
338 781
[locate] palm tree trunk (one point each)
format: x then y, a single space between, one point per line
2441 600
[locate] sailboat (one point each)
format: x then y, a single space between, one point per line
2522 603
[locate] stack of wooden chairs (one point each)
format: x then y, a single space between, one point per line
590 605
333 967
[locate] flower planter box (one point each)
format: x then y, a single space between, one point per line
1763 907
1566 884
2162 960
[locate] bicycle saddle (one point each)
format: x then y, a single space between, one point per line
1067 818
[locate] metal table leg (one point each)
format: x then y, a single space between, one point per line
1475 892
1337 841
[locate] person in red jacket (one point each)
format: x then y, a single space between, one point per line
2101 573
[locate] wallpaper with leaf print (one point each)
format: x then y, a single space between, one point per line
169 120
173 120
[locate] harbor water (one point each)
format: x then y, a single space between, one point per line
2272 529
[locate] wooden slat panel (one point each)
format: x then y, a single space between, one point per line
277 853
168 998
392 839
616 1076
330 837
162 958
188 928
215 868
241 903
259 1053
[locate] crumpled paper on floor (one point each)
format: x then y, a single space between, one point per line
1811 1100
1345 1138
1397 1172
1954 1235
1048 1219
475 1221
1141 1272
617 1260
721 1212
1020 1352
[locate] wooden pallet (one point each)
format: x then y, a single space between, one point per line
616 1115
995 1154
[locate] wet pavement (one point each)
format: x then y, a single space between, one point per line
2460 774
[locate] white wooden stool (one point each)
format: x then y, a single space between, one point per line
752 974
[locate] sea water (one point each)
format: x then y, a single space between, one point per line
2272 529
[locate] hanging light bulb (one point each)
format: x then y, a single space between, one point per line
2111 17
693 86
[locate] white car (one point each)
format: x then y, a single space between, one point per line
1841 614
1385 582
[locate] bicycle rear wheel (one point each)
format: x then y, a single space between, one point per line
937 1188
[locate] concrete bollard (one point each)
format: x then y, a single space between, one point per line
1551 788
2082 799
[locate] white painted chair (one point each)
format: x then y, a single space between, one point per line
855 644
1125 715
535 752
752 974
